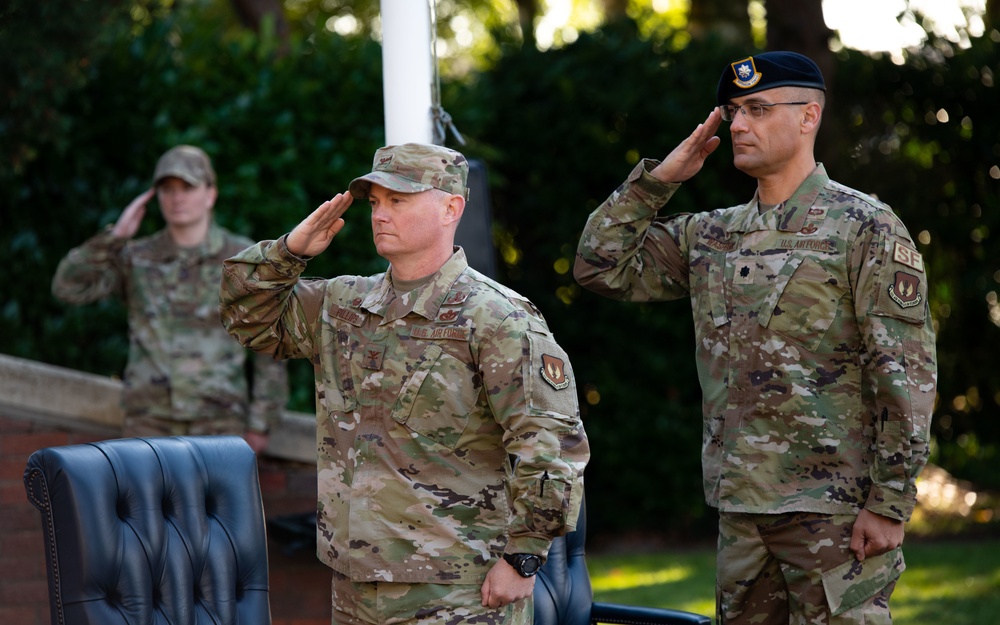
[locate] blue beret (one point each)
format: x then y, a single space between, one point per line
767 71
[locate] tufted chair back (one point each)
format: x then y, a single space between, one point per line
152 531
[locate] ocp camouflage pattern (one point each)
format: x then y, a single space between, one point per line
769 562
415 167
182 365
814 344
422 400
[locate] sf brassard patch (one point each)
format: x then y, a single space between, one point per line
909 257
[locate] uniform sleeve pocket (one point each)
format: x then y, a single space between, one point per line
902 284
550 384
852 583
549 502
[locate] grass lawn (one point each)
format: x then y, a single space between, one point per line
945 582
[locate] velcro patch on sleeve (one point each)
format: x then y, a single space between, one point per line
901 288
550 385
907 256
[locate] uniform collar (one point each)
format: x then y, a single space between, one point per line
426 300
790 216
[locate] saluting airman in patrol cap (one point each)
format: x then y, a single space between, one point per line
184 375
429 377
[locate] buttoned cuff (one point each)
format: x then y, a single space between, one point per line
890 503
529 544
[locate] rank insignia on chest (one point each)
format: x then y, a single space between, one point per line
745 73
905 290
745 271
372 357
553 372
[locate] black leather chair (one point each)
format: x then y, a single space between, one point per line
157 530
563 595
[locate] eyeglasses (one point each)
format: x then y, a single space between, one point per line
752 111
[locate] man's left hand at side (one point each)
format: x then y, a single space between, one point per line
504 586
874 534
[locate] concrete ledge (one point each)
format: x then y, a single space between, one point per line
88 402
59 394
294 438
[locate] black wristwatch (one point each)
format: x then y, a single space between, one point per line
526 564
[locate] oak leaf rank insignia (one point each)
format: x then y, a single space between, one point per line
745 73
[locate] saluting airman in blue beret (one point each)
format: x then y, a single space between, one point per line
815 350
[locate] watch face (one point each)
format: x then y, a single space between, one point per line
529 565
526 564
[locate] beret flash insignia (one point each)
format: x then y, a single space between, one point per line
746 73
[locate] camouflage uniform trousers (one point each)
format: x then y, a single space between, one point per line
388 603
135 425
797 569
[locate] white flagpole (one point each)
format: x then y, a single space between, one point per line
407 77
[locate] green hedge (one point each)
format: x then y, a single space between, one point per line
284 133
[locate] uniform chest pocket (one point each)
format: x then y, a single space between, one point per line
437 397
806 304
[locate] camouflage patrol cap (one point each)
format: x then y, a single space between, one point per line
415 167
186 162
767 71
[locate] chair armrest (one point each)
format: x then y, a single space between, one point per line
636 615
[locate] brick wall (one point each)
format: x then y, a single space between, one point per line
299 583
24 594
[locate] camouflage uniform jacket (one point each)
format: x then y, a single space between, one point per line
422 400
182 365
815 348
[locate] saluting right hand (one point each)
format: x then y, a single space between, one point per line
130 219
312 236
687 158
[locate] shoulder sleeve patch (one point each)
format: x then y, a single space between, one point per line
907 256
901 287
550 383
